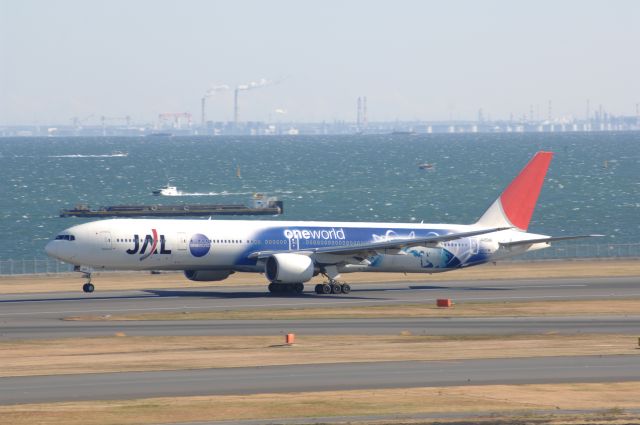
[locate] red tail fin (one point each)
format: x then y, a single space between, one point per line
515 205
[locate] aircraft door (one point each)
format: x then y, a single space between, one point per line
294 244
105 239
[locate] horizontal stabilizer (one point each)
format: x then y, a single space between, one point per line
547 240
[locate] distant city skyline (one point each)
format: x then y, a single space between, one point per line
310 61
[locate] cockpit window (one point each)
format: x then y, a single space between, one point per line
66 237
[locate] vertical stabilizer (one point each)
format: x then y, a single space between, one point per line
515 205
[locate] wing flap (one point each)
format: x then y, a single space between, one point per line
546 240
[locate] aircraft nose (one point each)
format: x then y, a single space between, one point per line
52 248
49 249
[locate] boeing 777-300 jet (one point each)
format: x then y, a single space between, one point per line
290 253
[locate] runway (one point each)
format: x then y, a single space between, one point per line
323 377
34 316
61 304
38 315
34 329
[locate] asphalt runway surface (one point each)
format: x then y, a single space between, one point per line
34 329
323 377
27 316
32 316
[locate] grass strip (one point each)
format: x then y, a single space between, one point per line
123 353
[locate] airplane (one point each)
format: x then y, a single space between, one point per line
291 253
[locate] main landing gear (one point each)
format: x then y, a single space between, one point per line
87 287
286 288
333 287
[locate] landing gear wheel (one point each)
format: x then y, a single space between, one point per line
298 288
326 288
346 288
88 287
319 289
336 288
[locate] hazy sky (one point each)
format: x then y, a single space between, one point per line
412 59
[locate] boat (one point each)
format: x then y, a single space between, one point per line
260 206
426 166
167 190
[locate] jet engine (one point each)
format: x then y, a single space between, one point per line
207 275
289 268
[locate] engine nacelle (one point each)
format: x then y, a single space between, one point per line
289 268
207 275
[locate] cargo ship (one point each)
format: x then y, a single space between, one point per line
261 205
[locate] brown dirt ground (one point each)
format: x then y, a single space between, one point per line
501 402
106 281
123 353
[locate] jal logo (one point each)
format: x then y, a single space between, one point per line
199 245
149 245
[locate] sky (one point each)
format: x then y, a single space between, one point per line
413 60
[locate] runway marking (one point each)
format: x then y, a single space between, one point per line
319 303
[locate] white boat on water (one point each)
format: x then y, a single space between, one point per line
167 190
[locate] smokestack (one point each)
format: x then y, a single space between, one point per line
235 107
249 86
202 102
364 112
209 93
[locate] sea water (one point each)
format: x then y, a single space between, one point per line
593 185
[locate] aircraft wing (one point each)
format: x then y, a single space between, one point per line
366 249
546 240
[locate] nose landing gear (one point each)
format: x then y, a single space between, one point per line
88 287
